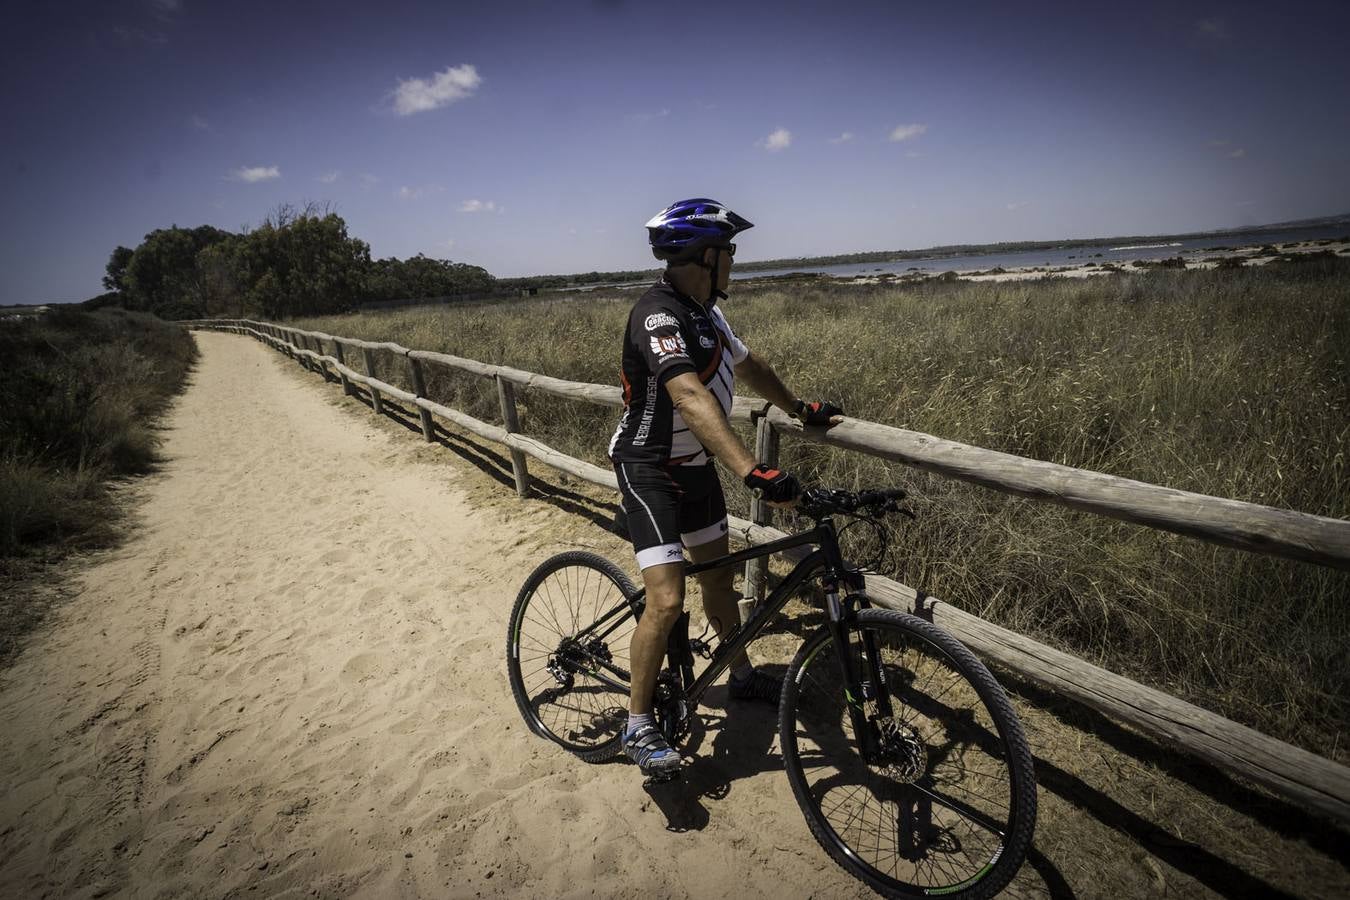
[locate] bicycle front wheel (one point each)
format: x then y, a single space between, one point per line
567 652
942 800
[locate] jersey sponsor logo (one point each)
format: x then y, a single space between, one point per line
706 341
657 320
668 346
648 414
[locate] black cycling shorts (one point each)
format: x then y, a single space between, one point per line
670 506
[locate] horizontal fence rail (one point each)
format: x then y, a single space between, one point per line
1288 771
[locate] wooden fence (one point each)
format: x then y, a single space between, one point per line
1303 777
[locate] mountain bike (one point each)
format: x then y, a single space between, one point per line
903 752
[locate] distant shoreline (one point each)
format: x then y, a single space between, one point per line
1335 226
1118 242
1207 258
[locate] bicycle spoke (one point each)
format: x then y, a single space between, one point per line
930 828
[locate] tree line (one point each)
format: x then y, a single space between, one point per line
297 262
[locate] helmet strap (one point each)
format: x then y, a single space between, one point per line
713 293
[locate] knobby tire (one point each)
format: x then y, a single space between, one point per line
926 820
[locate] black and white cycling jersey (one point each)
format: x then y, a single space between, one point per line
668 334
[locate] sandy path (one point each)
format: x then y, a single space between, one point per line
291 680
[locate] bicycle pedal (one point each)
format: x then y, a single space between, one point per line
660 777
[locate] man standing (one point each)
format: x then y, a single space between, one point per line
680 358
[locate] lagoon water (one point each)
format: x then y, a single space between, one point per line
1069 254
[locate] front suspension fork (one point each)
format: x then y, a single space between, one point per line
862 684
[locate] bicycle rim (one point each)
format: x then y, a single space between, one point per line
949 808
551 672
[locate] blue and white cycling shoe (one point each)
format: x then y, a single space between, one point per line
647 746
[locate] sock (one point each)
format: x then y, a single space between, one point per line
636 721
742 672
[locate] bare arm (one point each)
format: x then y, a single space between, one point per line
703 414
760 376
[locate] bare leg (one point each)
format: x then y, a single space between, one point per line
665 599
719 593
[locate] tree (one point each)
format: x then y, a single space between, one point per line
162 272
117 269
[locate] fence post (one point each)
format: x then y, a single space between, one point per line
766 451
298 341
506 392
342 360
419 385
376 404
323 366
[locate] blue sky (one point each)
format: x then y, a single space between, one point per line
532 138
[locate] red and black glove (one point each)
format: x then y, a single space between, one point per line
817 414
773 485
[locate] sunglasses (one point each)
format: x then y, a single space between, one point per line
731 250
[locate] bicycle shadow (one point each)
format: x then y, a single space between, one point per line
729 740
734 740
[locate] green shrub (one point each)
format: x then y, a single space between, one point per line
76 407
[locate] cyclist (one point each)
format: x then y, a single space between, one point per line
680 358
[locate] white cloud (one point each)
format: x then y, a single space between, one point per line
368 180
421 94
1011 207
329 177
200 123
648 116
905 132
778 140
843 138
913 154
473 206
252 174
417 193
1238 153
449 244
1213 30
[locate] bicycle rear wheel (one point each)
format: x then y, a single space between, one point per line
947 803
563 671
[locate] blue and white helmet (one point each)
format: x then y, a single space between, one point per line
682 229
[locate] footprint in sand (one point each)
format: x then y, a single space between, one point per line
361 667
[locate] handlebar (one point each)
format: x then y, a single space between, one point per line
819 502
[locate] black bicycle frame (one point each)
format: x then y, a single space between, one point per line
828 557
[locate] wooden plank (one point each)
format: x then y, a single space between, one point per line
465 421
1232 523
368 357
591 393
561 461
1283 768
420 389
454 362
506 395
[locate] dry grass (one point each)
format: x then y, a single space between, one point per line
1230 383
77 408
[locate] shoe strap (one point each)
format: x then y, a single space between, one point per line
647 741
